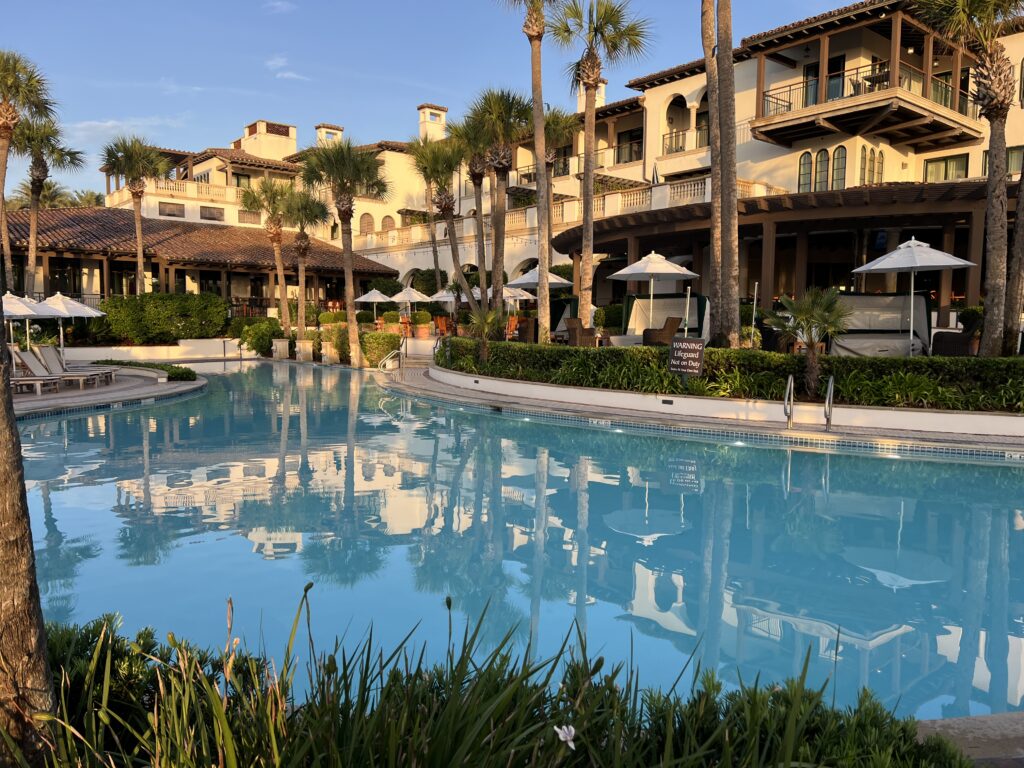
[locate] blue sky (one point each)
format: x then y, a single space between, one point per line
189 75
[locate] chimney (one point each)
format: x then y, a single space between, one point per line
326 133
432 121
599 97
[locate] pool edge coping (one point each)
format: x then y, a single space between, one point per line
128 401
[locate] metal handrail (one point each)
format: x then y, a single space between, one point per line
789 400
382 366
829 396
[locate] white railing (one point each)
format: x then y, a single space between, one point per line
689 191
599 206
636 199
515 218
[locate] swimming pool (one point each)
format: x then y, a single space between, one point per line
902 575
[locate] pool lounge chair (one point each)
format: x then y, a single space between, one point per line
662 337
21 381
35 367
956 343
578 335
55 364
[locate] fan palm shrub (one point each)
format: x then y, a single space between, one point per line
270 199
304 211
560 129
471 137
420 149
811 320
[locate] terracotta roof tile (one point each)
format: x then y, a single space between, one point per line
428 105
837 13
329 126
112 231
241 157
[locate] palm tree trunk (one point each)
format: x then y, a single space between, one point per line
498 198
5 235
545 338
282 288
433 238
33 241
301 308
355 351
1015 288
543 211
709 39
729 315
995 239
582 540
453 243
540 530
587 257
140 255
481 242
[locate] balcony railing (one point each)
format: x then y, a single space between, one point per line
688 191
703 136
527 174
515 218
636 199
858 81
673 142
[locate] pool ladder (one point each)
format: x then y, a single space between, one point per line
399 353
789 401
829 397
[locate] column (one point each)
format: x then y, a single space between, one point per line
767 264
929 53
225 286
823 70
691 134
894 49
45 259
957 65
163 278
105 287
946 276
759 95
800 278
744 268
892 241
576 257
632 257
613 152
975 255
108 183
172 279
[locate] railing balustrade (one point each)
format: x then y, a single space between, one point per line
515 217
689 191
673 142
636 199
703 136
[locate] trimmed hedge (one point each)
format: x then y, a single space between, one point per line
376 345
164 318
954 383
174 372
259 337
420 317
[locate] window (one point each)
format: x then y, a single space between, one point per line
366 224
241 180
434 116
630 146
946 168
330 135
387 223
210 213
871 167
821 171
177 210
249 217
202 178
803 182
863 166
839 168
1014 160
562 156
880 168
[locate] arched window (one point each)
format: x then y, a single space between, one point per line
863 166
839 168
880 168
871 167
387 223
803 182
821 171
366 224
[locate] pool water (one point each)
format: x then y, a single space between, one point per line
896 574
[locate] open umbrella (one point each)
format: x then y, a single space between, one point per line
409 296
913 256
531 280
444 296
71 309
16 308
374 297
653 267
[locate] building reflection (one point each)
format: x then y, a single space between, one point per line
880 572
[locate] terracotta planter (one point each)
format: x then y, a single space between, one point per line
421 331
392 328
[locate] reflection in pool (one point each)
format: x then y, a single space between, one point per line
897 574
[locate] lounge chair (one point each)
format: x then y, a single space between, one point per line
35 367
510 327
55 364
662 337
20 380
956 343
578 335
527 330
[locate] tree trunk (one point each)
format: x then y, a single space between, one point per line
453 243
282 288
582 540
301 307
355 351
729 314
543 210
498 197
540 530
714 283
26 686
995 240
481 241
587 257
5 235
1015 288
545 338
433 238
33 240
140 251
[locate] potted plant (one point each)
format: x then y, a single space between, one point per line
420 324
810 321
392 322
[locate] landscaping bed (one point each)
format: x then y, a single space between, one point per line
174 372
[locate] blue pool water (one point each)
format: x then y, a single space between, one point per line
901 575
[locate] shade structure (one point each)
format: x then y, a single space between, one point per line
17 308
444 296
374 297
654 267
531 280
72 309
508 293
913 256
409 296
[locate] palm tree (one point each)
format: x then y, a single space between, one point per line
810 320
438 162
1015 288
560 128
26 686
304 211
52 195
134 159
729 293
270 199
347 172
42 143
420 149
607 33
86 198
505 117
709 42
978 25
472 140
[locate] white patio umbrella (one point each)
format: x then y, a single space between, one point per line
531 280
409 296
16 308
913 256
71 309
374 297
653 267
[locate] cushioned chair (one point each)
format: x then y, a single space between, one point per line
662 337
956 343
527 330
578 335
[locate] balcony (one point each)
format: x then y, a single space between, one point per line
179 190
677 142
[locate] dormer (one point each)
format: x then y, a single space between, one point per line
433 118
327 133
274 141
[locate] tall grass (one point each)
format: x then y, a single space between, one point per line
138 702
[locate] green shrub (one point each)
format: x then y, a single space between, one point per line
420 317
609 317
391 317
968 315
365 316
377 345
423 281
259 337
164 318
238 324
174 372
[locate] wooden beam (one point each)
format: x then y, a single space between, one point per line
908 123
929 138
824 122
779 58
878 117
823 70
894 49
946 276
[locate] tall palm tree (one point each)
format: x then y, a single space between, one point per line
87 198
560 128
42 143
978 25
729 314
347 173
505 117
1015 288
608 33
52 195
132 158
26 686
709 41
438 162
420 148
303 211
471 137
270 199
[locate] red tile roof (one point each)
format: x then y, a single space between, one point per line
428 105
112 231
243 158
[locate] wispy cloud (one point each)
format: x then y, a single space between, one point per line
278 65
289 75
279 6
168 86
93 133
275 62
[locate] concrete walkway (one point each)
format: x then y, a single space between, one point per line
131 386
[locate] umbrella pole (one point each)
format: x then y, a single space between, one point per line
686 314
60 325
650 313
911 313
28 336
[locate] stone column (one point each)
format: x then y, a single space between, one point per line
946 276
767 264
976 255
800 276
632 257
892 240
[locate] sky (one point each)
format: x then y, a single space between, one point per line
190 75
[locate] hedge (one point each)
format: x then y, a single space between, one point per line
376 345
955 383
259 336
164 318
174 372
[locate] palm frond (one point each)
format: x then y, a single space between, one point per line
345 170
135 159
23 86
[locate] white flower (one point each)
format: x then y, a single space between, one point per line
566 733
